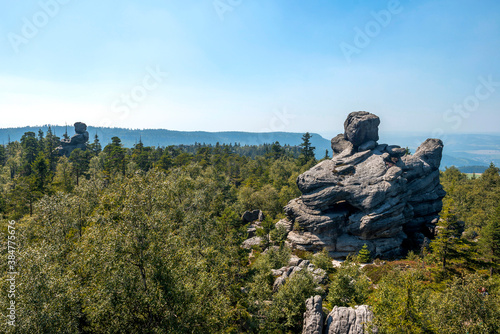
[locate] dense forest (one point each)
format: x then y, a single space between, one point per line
148 240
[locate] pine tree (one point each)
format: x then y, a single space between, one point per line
65 135
80 163
448 243
327 156
115 157
41 143
165 161
41 173
364 254
307 151
140 155
51 142
95 147
490 239
491 176
3 155
29 145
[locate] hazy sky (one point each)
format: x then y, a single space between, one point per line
251 65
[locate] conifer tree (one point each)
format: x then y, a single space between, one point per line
80 163
364 254
41 173
115 157
51 142
307 151
448 242
95 147
3 155
29 145
490 240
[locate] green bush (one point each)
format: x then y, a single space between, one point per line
349 286
324 261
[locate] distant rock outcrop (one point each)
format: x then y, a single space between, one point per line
368 193
79 140
348 320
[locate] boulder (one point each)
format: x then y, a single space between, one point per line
376 196
251 216
294 261
395 151
80 128
360 127
340 144
348 320
369 145
249 243
313 317
251 231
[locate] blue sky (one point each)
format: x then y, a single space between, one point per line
252 65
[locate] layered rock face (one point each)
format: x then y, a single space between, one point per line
79 140
341 320
368 193
313 318
348 320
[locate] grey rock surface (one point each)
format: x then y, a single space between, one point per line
313 317
348 320
251 216
294 265
249 243
285 223
377 196
369 145
339 144
79 140
360 127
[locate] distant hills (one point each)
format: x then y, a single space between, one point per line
162 137
460 150
472 169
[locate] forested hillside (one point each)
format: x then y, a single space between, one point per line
147 239
459 150
163 137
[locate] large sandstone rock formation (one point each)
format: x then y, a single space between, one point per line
368 193
79 140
